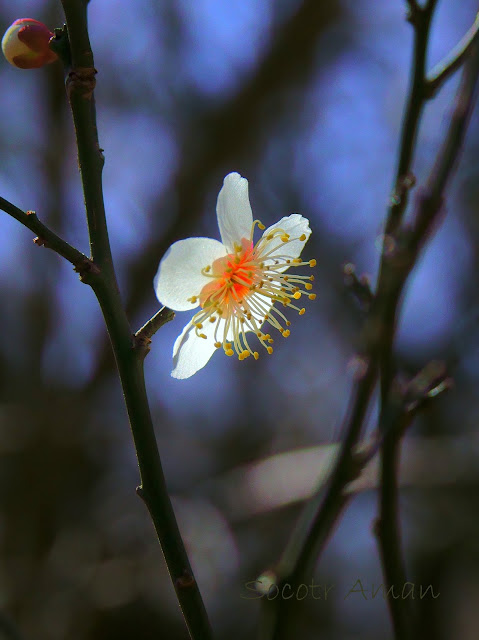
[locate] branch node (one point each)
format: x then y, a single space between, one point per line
40 242
403 186
141 343
85 269
358 365
81 79
185 581
413 13
430 382
359 287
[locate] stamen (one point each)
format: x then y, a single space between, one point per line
245 289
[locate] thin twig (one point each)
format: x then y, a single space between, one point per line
46 237
420 18
453 61
143 336
160 318
80 83
321 512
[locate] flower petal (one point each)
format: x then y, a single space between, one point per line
179 275
191 353
234 211
295 226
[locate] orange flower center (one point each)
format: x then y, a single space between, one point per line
233 277
245 290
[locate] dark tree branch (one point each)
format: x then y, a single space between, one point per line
425 216
400 252
80 84
444 69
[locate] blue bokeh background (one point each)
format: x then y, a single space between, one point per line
186 93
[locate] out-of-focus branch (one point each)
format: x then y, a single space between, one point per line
428 208
399 255
444 69
420 18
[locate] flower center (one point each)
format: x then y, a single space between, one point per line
244 288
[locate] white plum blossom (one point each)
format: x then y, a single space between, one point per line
237 284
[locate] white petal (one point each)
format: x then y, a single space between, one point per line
190 353
295 226
234 211
179 275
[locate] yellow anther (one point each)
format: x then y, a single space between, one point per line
288 323
297 295
269 350
308 286
202 335
312 263
255 355
212 319
270 340
312 296
302 311
193 299
229 352
286 333
297 261
285 238
198 325
228 345
302 237
207 269
218 345
261 226
311 278
286 278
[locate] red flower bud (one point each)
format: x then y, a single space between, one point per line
25 44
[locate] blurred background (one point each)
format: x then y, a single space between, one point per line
305 100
